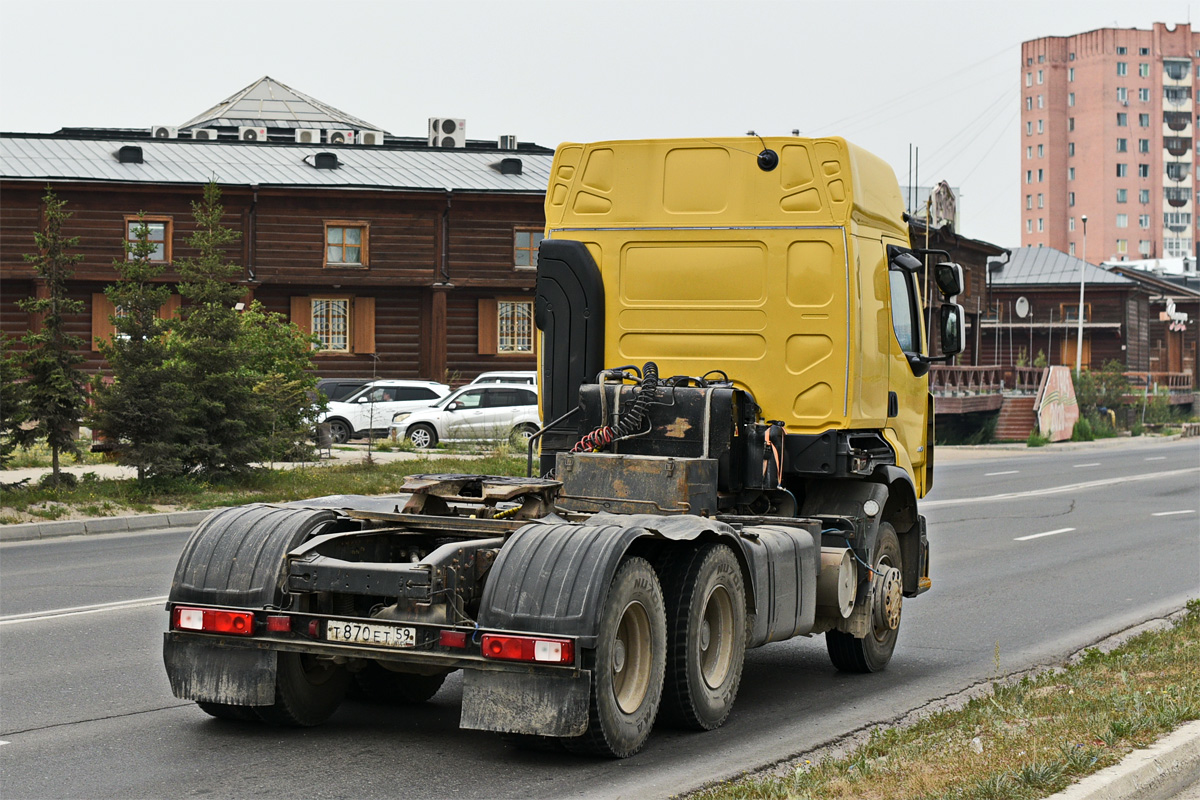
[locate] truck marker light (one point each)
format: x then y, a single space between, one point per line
528 648
452 638
281 624
211 620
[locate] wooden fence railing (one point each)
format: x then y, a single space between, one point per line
949 381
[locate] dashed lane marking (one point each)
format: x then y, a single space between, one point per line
1173 513
1040 535
1093 464
99 608
1070 487
1006 472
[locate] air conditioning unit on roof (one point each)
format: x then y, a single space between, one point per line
308 135
447 132
164 132
209 134
252 134
339 136
370 137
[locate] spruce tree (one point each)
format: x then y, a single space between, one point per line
13 413
223 420
280 354
55 393
139 410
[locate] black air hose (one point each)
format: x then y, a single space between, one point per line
632 419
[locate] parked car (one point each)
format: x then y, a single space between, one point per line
371 408
488 412
338 389
528 376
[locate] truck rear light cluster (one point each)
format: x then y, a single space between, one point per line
528 648
212 620
279 623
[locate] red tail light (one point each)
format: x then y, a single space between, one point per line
528 648
212 620
452 638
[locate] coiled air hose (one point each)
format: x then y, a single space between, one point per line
632 419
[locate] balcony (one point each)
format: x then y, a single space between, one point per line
1177 145
1176 70
1177 120
1177 196
1177 95
1178 170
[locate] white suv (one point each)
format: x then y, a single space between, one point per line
372 407
476 412
528 376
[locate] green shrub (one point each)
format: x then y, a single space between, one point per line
1082 432
1036 439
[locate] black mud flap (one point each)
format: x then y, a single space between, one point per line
234 676
538 703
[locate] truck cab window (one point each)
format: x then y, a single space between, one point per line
904 315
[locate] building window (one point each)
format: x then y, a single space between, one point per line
1070 198
1070 56
1029 129
1041 204
1070 148
1071 249
1144 221
1122 170
1143 196
331 323
1070 173
1144 95
1041 150
1029 104
1041 101
1122 245
1070 123
1122 68
1028 201
1070 98
1041 175
1041 126
1122 220
525 246
342 324
1144 247
1070 223
158 231
505 326
1143 170
1122 94
1029 226
1122 119
1144 51
103 311
1143 145
1122 195
1070 74
1040 225
1029 176
1144 120
1143 70
1122 145
1039 76
1029 79
1029 152
346 244
1069 312
1042 58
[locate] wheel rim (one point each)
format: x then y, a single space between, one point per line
716 637
524 434
338 433
879 629
420 437
631 658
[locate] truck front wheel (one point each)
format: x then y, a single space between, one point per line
627 665
307 691
872 652
706 630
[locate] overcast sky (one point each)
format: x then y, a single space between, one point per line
943 77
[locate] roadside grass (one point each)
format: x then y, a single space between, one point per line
38 455
96 497
1022 741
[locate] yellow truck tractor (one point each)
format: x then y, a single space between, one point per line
732 368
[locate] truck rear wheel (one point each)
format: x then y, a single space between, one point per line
627 665
377 684
872 652
307 691
706 637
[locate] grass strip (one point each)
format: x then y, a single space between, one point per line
99 497
1022 741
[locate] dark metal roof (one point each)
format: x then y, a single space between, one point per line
1028 266
33 157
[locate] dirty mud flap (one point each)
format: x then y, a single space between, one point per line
533 702
232 675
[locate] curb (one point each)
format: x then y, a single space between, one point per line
1157 772
27 531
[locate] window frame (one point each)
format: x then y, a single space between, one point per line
168 233
489 327
364 246
531 249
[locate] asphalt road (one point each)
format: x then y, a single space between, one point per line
1025 572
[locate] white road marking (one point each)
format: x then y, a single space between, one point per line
1006 472
1094 464
1173 513
1070 487
38 616
4 743
1157 458
1040 535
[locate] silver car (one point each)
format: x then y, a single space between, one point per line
486 412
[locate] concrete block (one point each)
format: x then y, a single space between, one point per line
105 525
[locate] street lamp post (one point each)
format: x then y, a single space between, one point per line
1082 277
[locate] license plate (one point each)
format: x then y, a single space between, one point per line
362 633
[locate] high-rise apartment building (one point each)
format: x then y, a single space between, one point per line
1108 130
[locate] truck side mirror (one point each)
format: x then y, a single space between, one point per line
949 279
954 335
